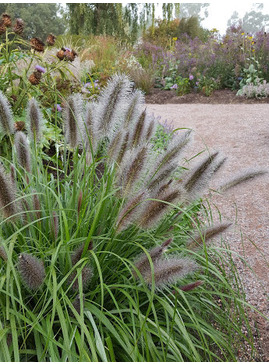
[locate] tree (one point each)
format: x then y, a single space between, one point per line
39 19
116 19
253 20
100 18
199 10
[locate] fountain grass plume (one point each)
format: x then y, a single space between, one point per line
162 176
142 263
73 120
150 128
201 236
32 270
197 178
23 151
171 155
156 208
130 211
132 169
137 100
77 254
77 303
3 253
242 177
191 286
86 275
54 225
6 116
115 145
34 120
8 205
123 148
113 103
137 132
90 125
169 271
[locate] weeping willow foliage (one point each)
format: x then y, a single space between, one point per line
124 20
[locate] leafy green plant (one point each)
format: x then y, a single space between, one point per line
183 85
97 260
207 85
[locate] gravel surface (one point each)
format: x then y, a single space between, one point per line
241 132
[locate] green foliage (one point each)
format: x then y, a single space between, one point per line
163 32
183 85
207 85
104 19
71 289
251 75
40 19
192 28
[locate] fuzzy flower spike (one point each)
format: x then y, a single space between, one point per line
6 117
74 129
113 103
7 194
23 150
34 117
32 270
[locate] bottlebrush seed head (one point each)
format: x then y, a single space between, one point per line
77 301
191 286
32 270
132 114
138 130
73 120
134 167
155 210
34 117
86 275
80 197
23 150
199 176
208 233
174 150
242 177
168 271
55 225
143 262
76 255
113 102
6 117
7 194
123 148
3 253
130 211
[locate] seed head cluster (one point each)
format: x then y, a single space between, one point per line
32 271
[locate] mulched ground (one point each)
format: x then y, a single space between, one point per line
158 96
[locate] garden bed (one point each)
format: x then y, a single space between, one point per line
158 96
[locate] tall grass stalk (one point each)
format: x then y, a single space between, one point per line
93 303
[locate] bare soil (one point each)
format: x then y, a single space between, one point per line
158 96
241 132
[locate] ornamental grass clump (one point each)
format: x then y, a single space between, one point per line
108 258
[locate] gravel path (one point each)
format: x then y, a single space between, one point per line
241 132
